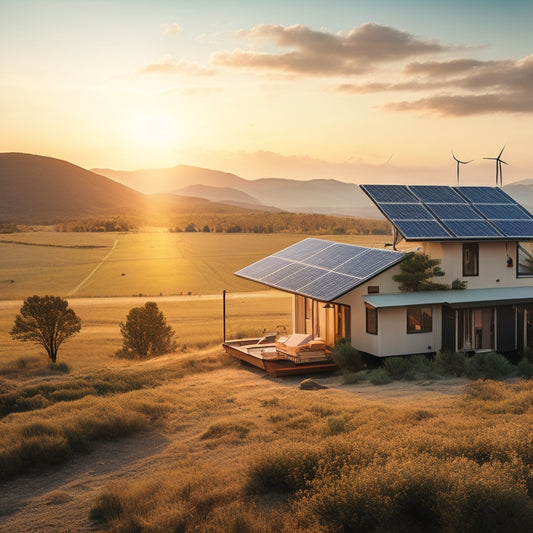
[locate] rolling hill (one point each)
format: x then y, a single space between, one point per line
324 196
44 190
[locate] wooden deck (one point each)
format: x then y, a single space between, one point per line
266 357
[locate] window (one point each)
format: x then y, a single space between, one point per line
470 259
524 260
371 320
419 320
373 289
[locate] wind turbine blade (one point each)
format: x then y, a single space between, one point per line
502 161
501 151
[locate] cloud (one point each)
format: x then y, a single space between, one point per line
167 65
321 53
472 87
171 29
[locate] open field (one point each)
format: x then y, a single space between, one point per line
125 264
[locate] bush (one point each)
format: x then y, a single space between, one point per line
146 333
347 357
378 376
450 363
490 365
525 368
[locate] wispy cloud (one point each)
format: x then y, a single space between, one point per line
168 65
321 53
171 29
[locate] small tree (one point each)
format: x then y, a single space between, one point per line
416 273
47 321
146 332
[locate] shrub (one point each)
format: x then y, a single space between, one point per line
490 365
146 333
525 368
450 363
378 376
397 367
347 357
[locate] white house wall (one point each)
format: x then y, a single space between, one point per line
493 269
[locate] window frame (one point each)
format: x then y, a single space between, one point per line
419 320
371 312
470 247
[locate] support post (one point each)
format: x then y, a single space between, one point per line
224 316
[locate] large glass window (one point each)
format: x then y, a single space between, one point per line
371 320
419 320
525 259
470 259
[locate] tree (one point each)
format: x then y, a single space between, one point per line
146 332
47 321
416 273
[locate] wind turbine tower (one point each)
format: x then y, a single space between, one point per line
459 162
499 161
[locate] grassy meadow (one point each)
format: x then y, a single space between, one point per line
237 450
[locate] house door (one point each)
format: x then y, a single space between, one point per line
476 329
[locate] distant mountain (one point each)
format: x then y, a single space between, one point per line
43 190
311 196
522 192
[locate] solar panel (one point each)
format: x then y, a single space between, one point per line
452 213
406 212
390 193
335 255
329 286
327 273
502 211
421 229
484 195
471 229
436 194
520 229
303 249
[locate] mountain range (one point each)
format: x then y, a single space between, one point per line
43 190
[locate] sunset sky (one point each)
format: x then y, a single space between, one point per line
362 91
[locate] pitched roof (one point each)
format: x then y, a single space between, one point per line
442 213
320 269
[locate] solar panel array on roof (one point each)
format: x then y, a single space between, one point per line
438 212
320 269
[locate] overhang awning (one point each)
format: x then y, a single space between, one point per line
453 298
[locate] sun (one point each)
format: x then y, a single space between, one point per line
154 130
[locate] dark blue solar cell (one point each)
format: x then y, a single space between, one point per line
282 273
263 267
471 228
522 229
369 263
303 249
502 211
299 279
406 212
334 255
389 193
330 286
422 229
436 194
454 211
485 195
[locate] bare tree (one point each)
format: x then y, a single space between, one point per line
47 321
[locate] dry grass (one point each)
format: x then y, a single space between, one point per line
254 456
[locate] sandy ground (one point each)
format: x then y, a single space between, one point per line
60 500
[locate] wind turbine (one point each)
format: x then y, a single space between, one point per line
459 162
499 161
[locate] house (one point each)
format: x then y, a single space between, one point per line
481 236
